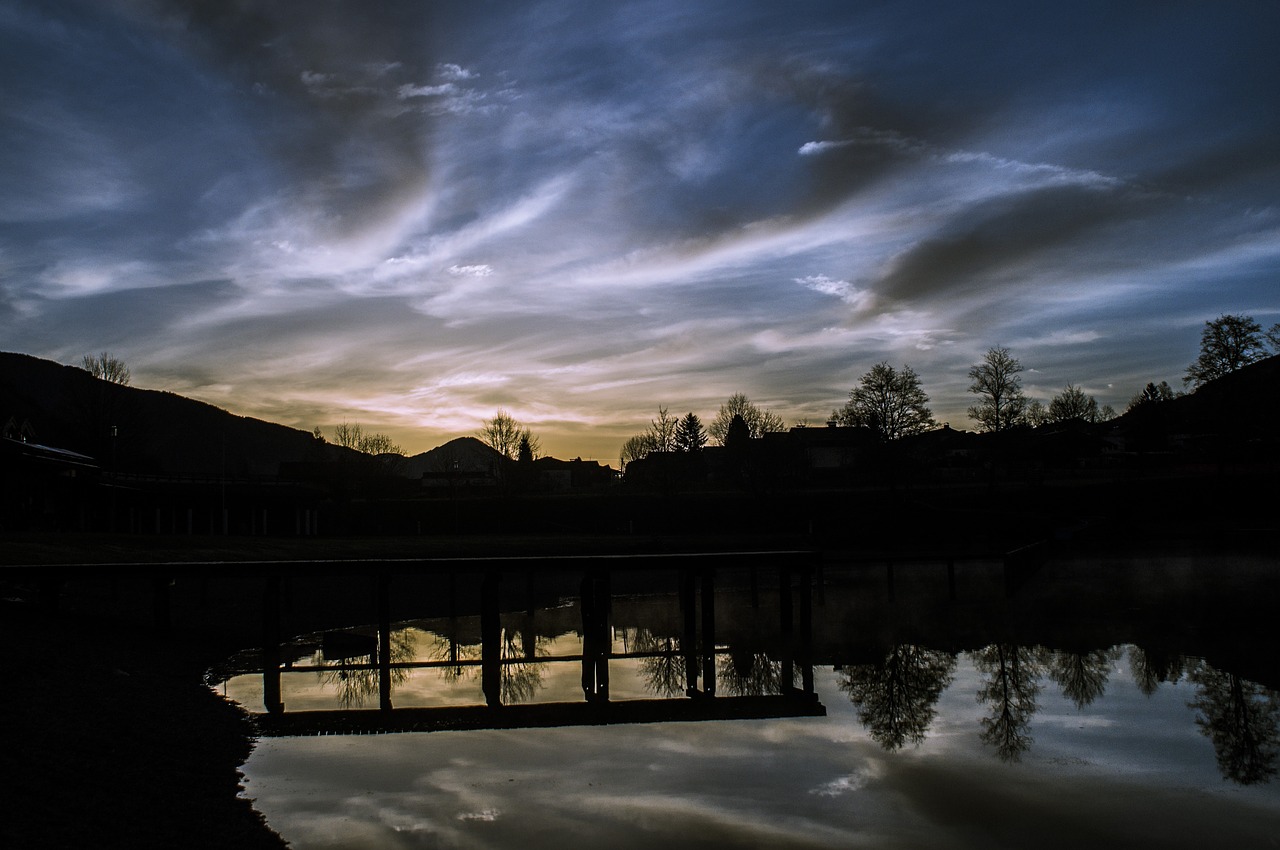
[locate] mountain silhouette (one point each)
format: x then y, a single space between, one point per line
155 432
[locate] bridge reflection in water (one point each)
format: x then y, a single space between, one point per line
694 654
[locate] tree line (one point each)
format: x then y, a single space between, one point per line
893 404
889 402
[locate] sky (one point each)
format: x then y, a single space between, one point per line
412 214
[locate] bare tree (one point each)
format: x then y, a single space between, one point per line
664 431
889 402
1083 678
1074 404
1242 719
896 697
1226 344
503 434
746 673
1037 413
348 435
351 435
637 447
660 436
664 669
759 422
1001 403
379 444
107 367
1010 687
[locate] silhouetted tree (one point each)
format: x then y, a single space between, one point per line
1073 404
348 434
690 435
1242 720
1037 414
660 436
107 367
109 419
524 454
664 431
1001 404
352 436
759 422
1226 344
889 402
1152 393
1273 337
896 698
636 447
1010 687
380 444
503 434
1083 678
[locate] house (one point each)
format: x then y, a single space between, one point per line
44 486
557 476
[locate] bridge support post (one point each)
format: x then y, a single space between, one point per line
384 641
490 640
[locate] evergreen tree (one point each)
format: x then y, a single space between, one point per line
690 435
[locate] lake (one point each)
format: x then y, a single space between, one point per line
1096 702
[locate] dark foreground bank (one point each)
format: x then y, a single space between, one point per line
108 736
108 743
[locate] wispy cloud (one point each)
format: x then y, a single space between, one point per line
842 289
481 270
581 212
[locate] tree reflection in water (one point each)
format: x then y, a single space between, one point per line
1242 719
521 675
746 673
355 678
1011 687
447 648
1083 678
896 698
664 674
1151 669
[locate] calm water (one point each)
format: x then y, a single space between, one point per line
1071 715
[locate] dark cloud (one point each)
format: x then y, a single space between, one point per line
532 198
322 84
993 243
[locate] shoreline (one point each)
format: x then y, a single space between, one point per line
111 743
